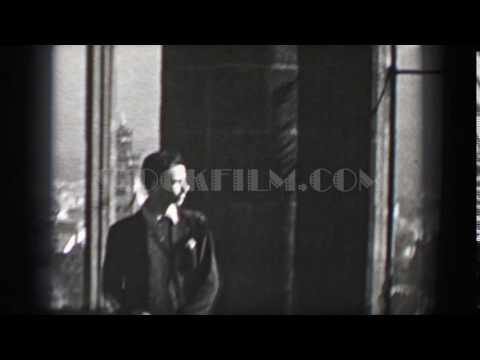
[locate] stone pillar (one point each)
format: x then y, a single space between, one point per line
417 115
99 187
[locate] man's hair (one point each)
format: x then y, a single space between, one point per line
156 164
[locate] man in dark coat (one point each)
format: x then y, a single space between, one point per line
162 259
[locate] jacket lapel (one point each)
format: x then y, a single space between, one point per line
137 261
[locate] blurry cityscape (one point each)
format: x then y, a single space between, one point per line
69 219
136 98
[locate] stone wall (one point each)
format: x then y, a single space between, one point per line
239 107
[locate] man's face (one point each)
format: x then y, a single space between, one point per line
174 185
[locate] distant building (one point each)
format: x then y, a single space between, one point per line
127 170
68 215
67 235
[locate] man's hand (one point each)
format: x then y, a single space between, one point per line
111 306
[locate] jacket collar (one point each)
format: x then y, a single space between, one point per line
152 219
181 230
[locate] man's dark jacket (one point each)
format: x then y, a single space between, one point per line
126 277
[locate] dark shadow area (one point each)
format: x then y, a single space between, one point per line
25 93
457 250
332 224
221 109
225 109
